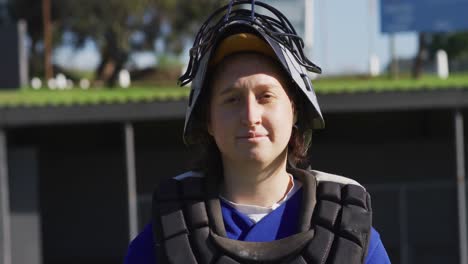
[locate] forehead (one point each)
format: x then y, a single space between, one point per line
243 64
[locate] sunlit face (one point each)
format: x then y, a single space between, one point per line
250 116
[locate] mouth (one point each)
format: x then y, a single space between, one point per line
251 135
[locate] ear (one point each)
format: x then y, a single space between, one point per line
294 113
209 129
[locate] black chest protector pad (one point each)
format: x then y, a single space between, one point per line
334 225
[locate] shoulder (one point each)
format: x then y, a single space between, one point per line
376 253
140 250
176 188
328 177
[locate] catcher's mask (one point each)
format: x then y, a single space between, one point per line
233 29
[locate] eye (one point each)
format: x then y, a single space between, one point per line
266 97
231 100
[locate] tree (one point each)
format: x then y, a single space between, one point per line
113 25
421 55
455 44
31 12
110 25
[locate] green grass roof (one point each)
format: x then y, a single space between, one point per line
382 84
27 97
76 96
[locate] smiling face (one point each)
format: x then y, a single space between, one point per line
251 115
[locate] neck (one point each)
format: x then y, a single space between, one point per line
255 184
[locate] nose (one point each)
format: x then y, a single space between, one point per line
251 113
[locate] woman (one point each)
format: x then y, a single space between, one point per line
252 109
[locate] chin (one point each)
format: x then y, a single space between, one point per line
253 156
243 154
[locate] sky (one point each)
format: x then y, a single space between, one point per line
345 34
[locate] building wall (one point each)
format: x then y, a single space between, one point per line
407 162
387 147
82 192
24 206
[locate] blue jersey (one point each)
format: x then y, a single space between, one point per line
278 224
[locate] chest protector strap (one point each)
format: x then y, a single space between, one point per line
334 225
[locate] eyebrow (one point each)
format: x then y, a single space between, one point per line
226 90
231 88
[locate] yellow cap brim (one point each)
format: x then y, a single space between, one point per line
242 42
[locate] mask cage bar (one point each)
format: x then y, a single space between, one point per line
278 28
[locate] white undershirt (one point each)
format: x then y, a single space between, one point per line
255 212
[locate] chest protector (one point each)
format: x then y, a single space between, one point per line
334 225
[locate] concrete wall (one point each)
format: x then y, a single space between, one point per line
26 237
82 191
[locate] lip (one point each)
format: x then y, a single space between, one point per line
252 136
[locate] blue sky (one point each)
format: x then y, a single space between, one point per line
346 32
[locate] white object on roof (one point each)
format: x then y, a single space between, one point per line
124 78
442 64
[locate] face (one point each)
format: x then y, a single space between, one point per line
251 115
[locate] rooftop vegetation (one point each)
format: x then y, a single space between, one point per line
27 97
384 83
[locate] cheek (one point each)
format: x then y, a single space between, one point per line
284 120
218 122
286 113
